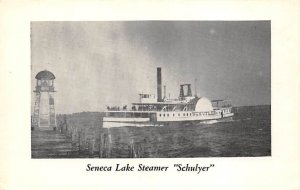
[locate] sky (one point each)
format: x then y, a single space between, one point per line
109 63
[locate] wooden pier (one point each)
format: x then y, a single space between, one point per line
48 144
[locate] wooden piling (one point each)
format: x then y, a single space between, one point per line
136 150
100 145
91 146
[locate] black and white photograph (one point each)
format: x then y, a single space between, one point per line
149 95
150 89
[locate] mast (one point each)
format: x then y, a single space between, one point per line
165 92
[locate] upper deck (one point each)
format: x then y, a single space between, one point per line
186 101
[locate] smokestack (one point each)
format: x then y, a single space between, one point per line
181 93
159 84
189 90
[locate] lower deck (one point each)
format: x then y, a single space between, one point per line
141 119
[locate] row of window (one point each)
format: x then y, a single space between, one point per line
164 115
186 114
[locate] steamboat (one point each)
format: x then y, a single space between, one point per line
154 110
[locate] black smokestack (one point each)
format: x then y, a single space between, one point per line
159 84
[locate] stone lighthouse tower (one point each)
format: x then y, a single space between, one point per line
44 111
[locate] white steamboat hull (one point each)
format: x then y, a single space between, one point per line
112 122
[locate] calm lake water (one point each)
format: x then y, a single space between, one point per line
249 134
